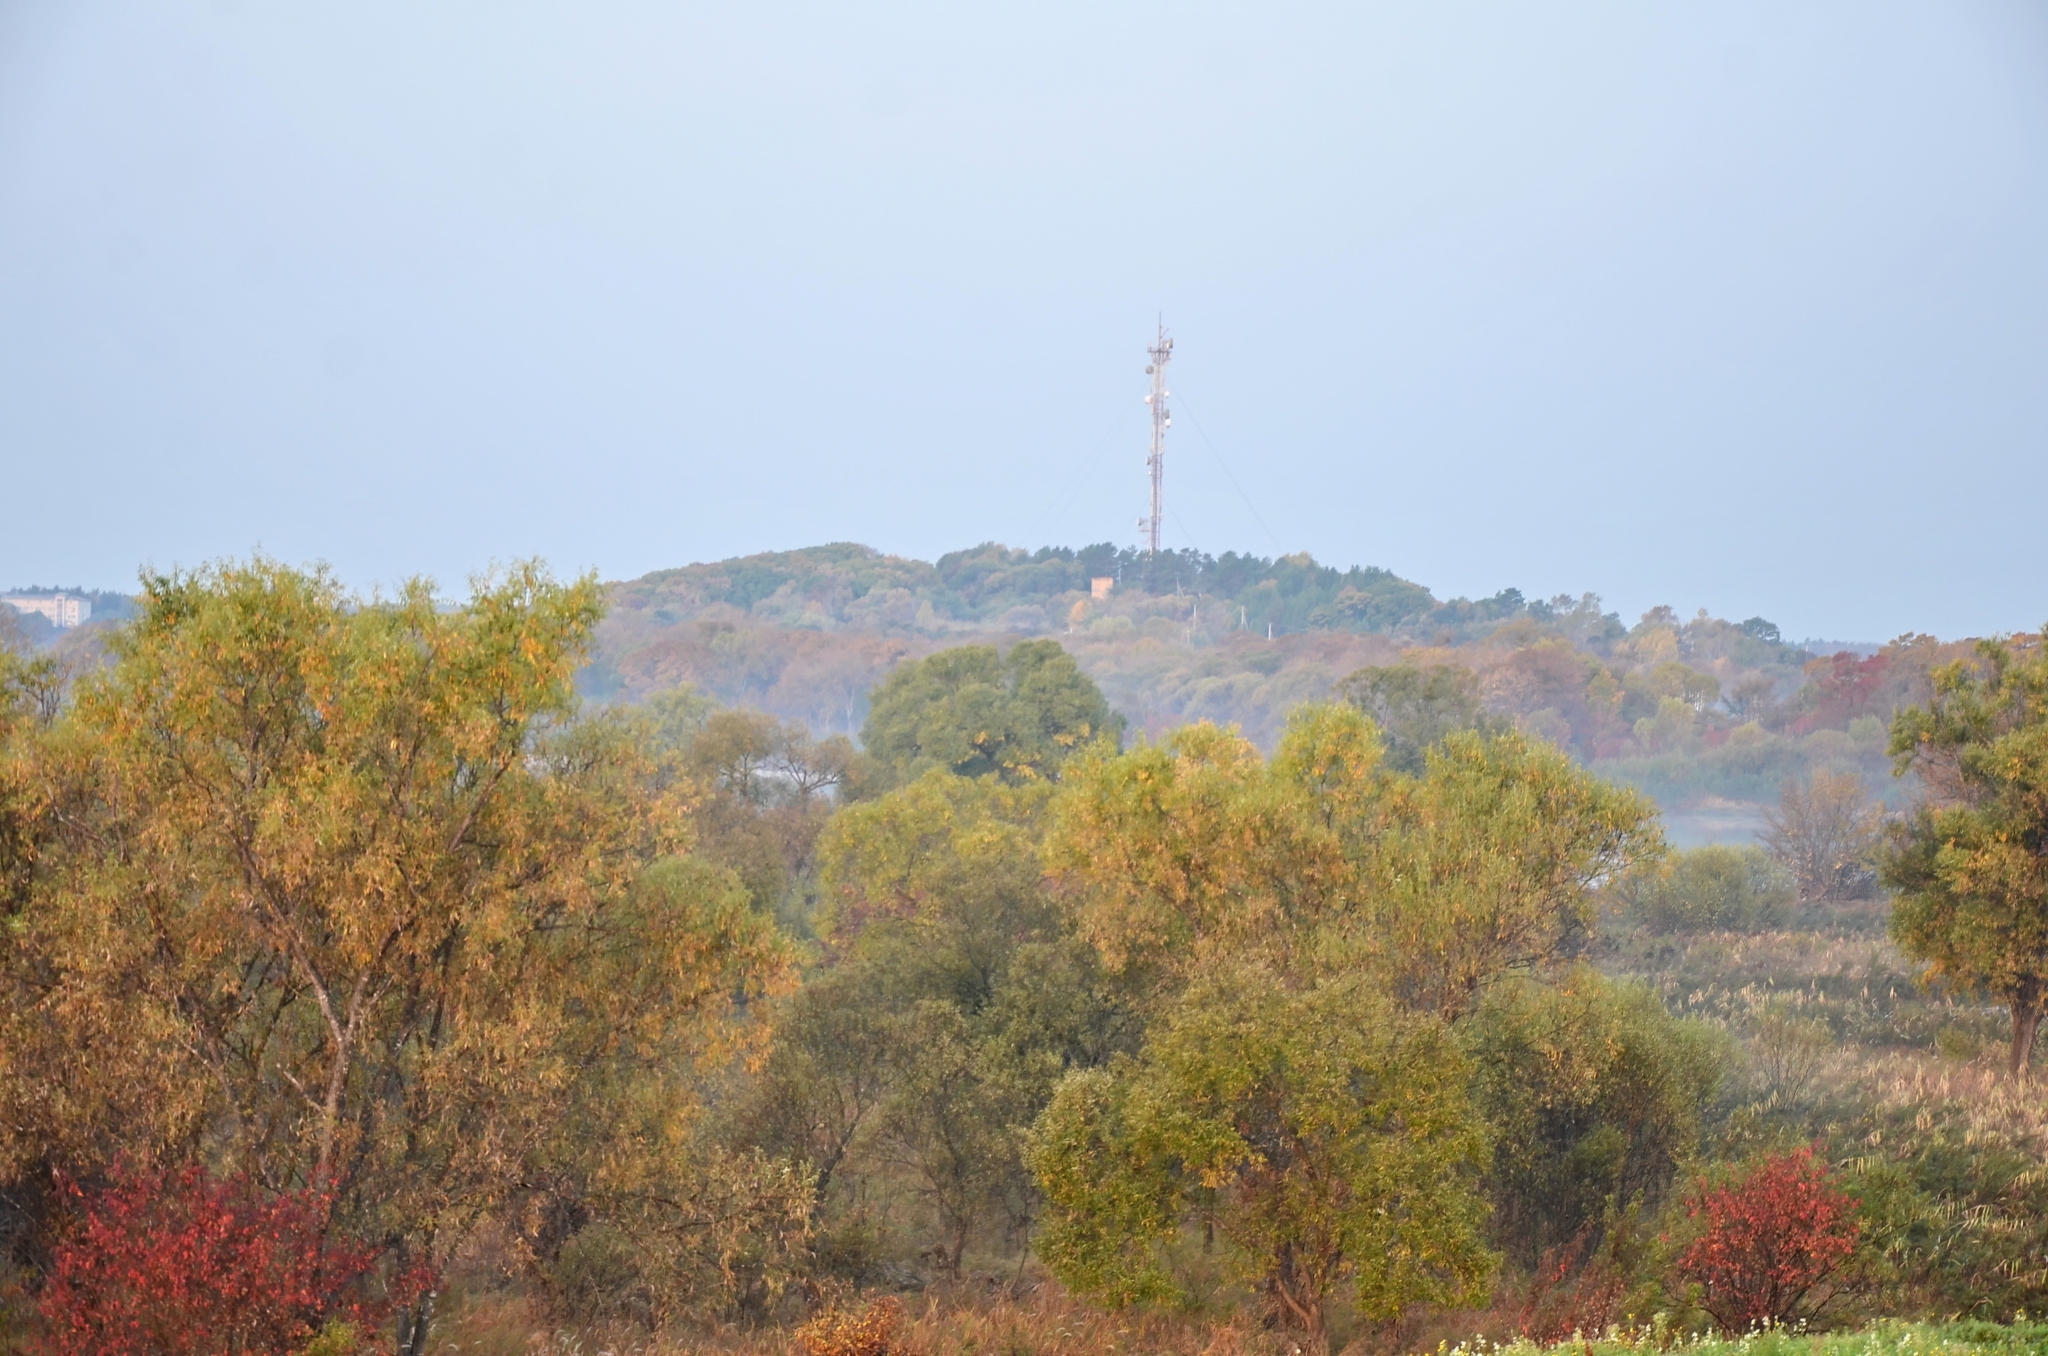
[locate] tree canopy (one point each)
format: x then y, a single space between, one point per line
976 712
1970 865
341 892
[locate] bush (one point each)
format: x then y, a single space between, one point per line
869 1332
1594 1094
185 1264
1773 1239
1740 889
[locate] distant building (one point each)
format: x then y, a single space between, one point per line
63 609
1099 588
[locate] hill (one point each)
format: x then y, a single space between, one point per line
1711 716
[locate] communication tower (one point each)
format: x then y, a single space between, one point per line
1161 354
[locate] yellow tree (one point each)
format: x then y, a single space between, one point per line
1310 928
1483 865
341 893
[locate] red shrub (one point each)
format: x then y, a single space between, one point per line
1570 1294
186 1264
1771 1239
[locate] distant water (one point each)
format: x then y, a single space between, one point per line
1714 820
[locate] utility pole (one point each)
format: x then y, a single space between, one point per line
1161 353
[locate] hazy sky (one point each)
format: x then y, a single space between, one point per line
1742 306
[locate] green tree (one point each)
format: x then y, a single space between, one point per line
344 894
1595 1095
1324 1135
976 712
955 997
1969 866
1740 889
766 790
1489 864
1415 706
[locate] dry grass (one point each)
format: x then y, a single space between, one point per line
1047 1322
963 1321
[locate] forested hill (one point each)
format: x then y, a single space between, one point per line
845 586
1709 715
1186 635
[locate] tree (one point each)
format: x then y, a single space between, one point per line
1177 853
1826 833
1595 1095
344 895
1488 865
1323 1134
975 712
1771 1240
767 790
1416 706
1969 867
955 998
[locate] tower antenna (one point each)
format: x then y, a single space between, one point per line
1161 354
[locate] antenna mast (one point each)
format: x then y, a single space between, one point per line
1161 354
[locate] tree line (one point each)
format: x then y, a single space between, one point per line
351 902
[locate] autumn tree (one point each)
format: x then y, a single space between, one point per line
1317 897
766 789
1595 1095
977 712
183 1264
1484 865
1969 866
955 996
344 895
1323 1136
1826 832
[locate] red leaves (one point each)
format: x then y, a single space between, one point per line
1848 687
1771 1238
186 1264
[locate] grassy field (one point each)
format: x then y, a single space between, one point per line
1047 1323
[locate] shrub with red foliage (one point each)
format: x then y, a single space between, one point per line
186 1264
1570 1293
1773 1239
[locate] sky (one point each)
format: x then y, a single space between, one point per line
1741 306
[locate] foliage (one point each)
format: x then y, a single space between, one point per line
343 894
164 1264
975 713
956 996
1415 707
1195 847
1709 887
1826 834
765 789
1970 866
721 1235
1595 1096
1770 1241
1324 1134
1491 863
869 1332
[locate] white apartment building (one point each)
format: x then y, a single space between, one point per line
61 608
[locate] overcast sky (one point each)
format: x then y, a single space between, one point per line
1723 305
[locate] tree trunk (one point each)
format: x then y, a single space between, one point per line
2026 1021
412 1326
1299 1302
